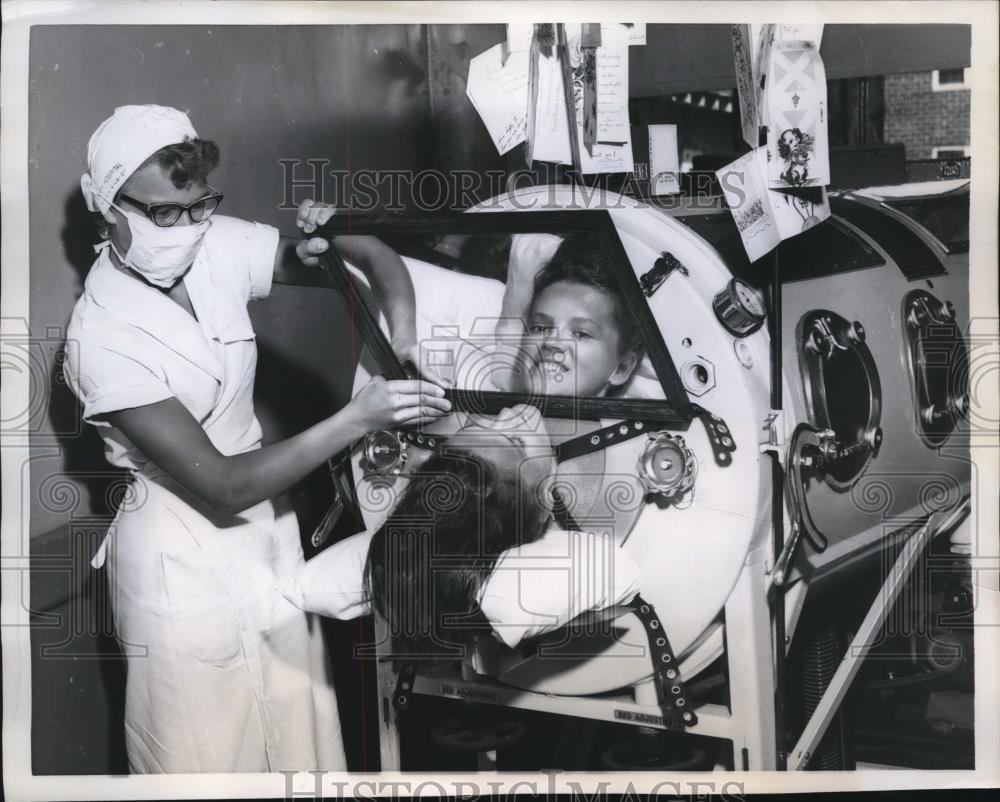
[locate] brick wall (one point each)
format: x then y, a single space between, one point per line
921 118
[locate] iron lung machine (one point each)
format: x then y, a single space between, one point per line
872 434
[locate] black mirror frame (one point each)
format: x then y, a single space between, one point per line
675 411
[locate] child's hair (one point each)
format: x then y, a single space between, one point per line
429 561
579 260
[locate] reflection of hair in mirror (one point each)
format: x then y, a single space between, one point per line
580 260
428 562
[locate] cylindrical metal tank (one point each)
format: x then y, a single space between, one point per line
841 288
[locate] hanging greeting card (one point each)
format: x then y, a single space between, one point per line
745 90
797 144
765 217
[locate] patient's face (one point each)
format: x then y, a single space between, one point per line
574 341
517 442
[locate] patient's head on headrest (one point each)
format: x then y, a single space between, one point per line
428 563
588 344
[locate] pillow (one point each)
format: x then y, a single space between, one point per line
541 586
535 588
331 583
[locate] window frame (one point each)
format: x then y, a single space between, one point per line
935 151
937 86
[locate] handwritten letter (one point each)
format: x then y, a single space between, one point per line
500 94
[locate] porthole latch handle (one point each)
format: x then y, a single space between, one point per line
811 449
921 313
957 407
823 341
871 441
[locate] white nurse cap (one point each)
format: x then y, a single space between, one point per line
123 142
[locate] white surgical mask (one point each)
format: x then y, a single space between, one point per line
161 255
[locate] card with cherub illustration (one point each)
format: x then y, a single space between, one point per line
797 144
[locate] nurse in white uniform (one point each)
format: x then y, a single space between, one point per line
224 674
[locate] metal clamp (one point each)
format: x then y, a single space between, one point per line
670 691
774 425
385 452
600 439
719 435
651 280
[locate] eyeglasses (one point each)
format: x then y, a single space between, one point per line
166 214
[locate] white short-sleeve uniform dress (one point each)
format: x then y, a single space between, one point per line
224 673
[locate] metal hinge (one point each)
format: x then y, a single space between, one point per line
651 280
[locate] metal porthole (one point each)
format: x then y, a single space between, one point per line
843 392
938 365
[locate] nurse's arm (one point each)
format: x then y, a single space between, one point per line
168 435
297 263
381 265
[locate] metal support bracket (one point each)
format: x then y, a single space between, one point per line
404 685
861 645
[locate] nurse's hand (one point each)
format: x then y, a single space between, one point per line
385 404
310 216
416 361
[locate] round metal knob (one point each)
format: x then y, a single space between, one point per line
384 452
960 404
666 465
856 332
933 414
948 311
874 439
